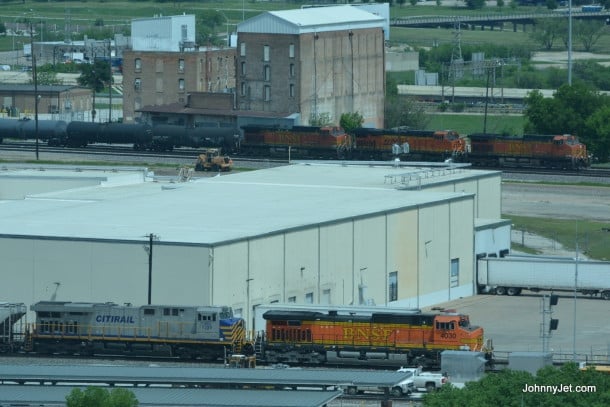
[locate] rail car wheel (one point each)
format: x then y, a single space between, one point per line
606 295
513 291
396 391
500 290
352 390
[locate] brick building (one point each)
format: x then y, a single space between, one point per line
327 60
154 78
61 100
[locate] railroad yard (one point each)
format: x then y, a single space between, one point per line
513 323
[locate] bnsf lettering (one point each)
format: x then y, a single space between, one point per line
366 333
115 319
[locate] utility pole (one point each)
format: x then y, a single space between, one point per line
110 80
149 250
35 80
150 253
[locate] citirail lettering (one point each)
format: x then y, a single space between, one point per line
115 319
365 333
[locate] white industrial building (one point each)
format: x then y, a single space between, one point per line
305 233
163 33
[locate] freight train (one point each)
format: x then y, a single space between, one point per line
308 142
293 336
161 137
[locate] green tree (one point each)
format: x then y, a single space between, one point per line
351 121
95 76
506 389
122 398
100 397
598 131
209 24
575 109
46 78
91 397
475 4
588 32
404 111
546 31
320 119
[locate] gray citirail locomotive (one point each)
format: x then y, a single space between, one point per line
189 332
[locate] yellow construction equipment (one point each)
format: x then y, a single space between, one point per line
210 159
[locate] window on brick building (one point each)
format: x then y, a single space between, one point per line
181 65
137 84
291 51
291 70
181 84
267 72
266 53
242 49
267 93
138 64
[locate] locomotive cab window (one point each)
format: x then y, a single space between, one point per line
149 311
445 325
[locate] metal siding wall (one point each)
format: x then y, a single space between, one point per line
336 261
434 261
265 263
230 272
402 253
369 252
301 250
462 244
489 195
100 272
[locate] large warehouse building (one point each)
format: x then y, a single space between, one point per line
304 233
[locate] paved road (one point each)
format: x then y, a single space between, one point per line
556 201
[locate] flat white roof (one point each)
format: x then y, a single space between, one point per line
218 209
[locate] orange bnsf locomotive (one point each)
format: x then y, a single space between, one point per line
531 150
421 145
379 339
298 141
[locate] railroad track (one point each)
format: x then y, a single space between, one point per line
589 172
123 151
126 151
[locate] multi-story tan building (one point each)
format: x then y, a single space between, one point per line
314 61
154 78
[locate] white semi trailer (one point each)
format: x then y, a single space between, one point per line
511 274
